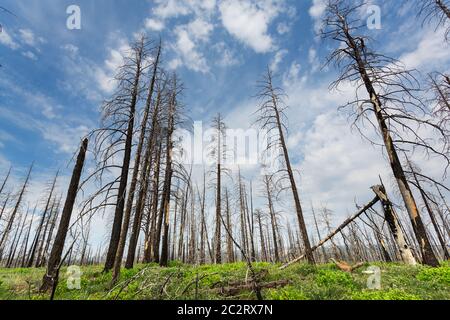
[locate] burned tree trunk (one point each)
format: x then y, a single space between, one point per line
8 227
359 63
273 218
391 218
165 202
139 52
272 118
134 179
60 239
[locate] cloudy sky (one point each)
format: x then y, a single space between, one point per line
53 79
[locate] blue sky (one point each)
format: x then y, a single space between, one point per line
52 79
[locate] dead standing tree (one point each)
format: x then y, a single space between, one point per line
115 140
136 170
436 10
60 239
172 112
271 117
217 153
390 101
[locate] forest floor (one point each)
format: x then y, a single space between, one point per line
183 282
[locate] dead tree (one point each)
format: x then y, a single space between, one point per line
259 216
5 180
324 253
115 140
337 231
273 218
218 154
440 87
392 220
134 178
165 201
230 252
436 10
272 118
60 238
12 217
391 102
47 210
428 208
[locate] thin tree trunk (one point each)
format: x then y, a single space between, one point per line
14 213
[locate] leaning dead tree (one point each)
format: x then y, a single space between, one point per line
60 239
272 118
436 11
440 86
389 216
388 104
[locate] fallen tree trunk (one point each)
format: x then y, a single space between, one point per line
335 232
235 290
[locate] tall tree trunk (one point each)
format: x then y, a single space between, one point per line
298 207
134 179
230 253
165 204
428 255
272 218
431 214
60 238
122 190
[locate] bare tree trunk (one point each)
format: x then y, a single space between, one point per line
122 190
431 214
165 203
405 251
60 239
134 179
14 213
261 236
272 218
397 169
230 253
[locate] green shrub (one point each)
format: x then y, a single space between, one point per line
287 293
393 294
327 278
440 275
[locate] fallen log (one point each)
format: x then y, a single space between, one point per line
235 290
335 232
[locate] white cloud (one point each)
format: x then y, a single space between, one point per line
283 28
200 29
248 21
7 40
30 55
153 24
105 75
431 51
316 12
27 37
226 56
188 52
277 59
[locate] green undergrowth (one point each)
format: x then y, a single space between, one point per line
184 282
